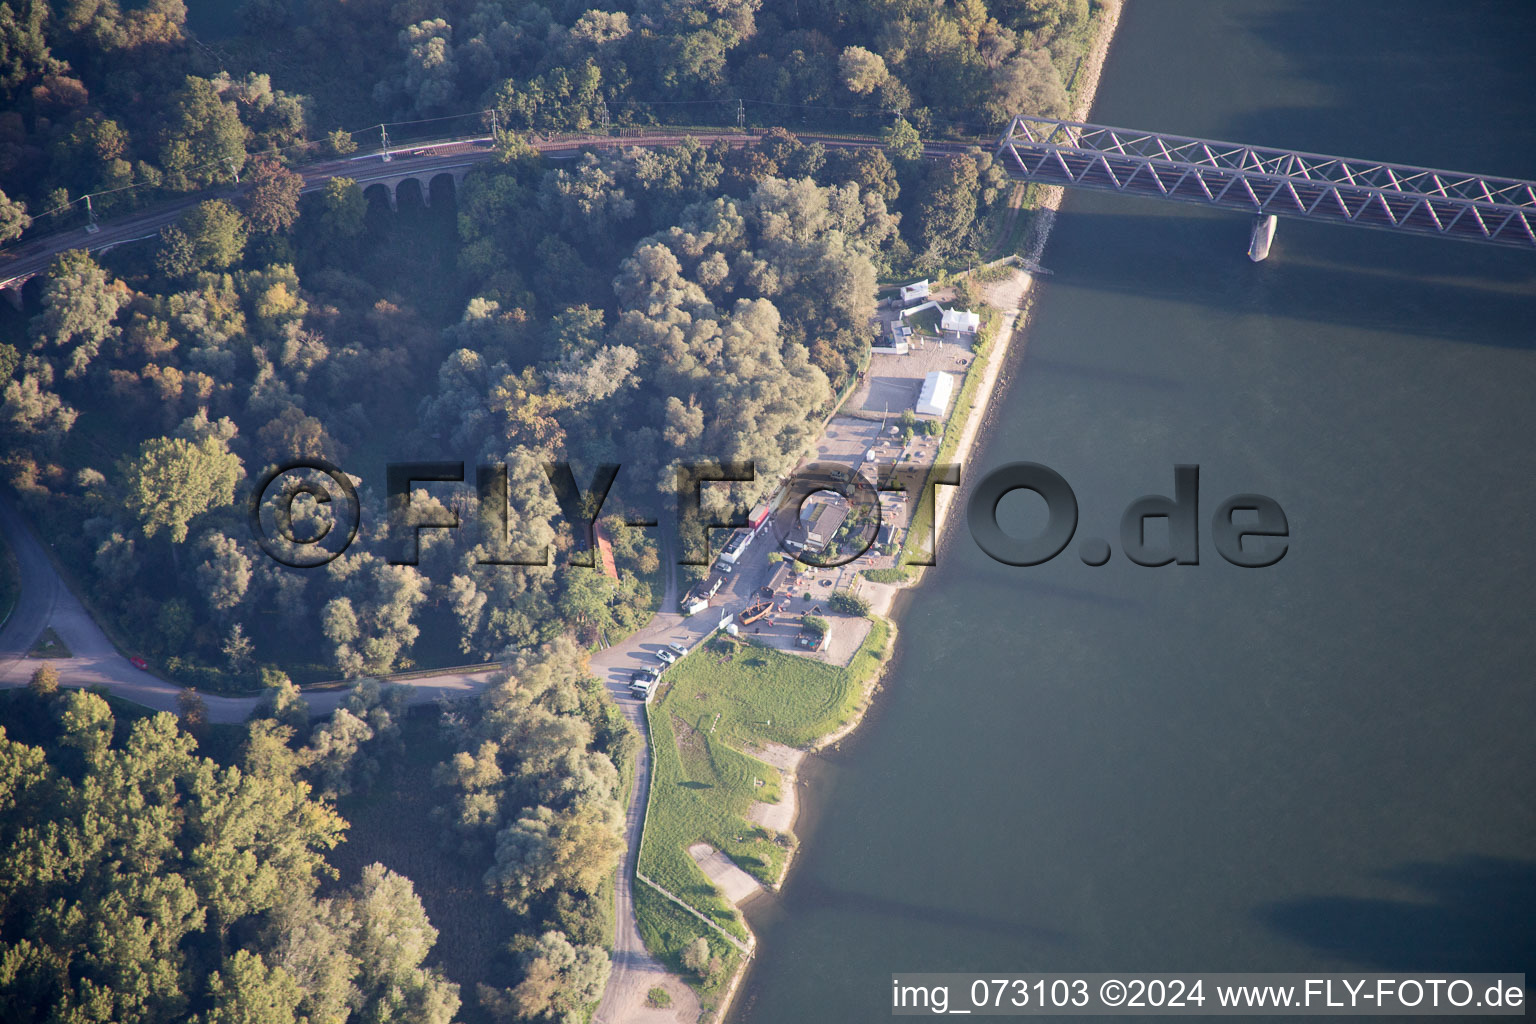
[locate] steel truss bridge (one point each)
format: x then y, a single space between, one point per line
1265 181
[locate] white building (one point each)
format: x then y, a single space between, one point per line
736 546
962 321
915 290
898 343
938 388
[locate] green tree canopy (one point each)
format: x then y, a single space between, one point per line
127 867
13 218
902 140
204 141
80 304
217 232
342 208
172 480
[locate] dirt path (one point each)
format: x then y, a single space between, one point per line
635 971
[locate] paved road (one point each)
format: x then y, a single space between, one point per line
32 256
45 601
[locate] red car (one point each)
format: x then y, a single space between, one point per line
139 663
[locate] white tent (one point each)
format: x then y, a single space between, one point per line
938 387
961 320
915 290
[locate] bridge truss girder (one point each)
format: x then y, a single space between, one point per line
1259 180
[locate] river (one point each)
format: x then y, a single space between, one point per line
1322 765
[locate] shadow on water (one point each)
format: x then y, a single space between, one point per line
1360 283
1474 914
808 895
1420 118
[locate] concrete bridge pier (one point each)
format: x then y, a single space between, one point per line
423 180
12 290
1263 235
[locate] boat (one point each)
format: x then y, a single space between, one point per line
755 611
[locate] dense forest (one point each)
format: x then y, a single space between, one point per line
644 309
638 307
149 883
96 96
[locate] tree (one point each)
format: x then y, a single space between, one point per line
226 574
191 709
285 704
45 681
948 207
132 864
343 207
560 979
171 481
392 938
13 218
29 407
696 956
902 140
80 304
246 991
237 647
544 850
863 71
1028 83
870 169
340 142
272 201
24 51
428 77
177 255
217 233
334 752
293 435
848 603
204 142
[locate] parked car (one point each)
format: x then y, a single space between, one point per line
139 663
665 656
677 649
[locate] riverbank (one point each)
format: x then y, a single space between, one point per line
1011 298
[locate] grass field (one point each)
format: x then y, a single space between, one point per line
720 699
667 930
927 322
49 645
